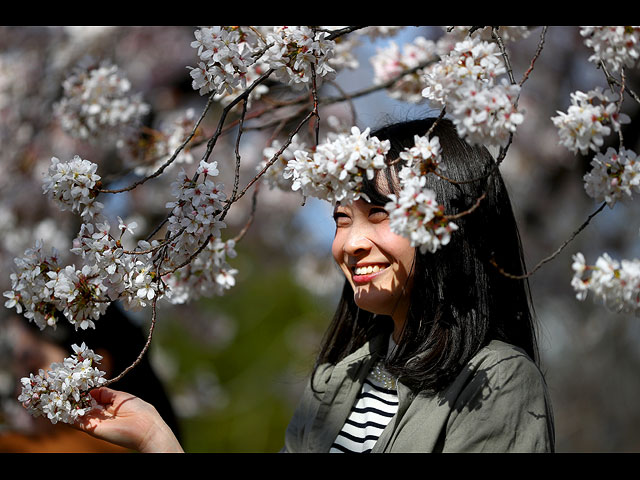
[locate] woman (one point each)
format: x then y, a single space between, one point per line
427 352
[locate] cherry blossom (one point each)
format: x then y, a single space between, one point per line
589 119
72 185
98 103
415 214
61 393
615 283
614 176
225 55
466 82
293 52
390 62
208 274
275 175
617 46
334 171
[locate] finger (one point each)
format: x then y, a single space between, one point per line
104 395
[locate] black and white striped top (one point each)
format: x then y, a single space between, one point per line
373 410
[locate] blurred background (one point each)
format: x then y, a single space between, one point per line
227 370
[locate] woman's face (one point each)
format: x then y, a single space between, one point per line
376 261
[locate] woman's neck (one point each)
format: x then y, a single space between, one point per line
398 326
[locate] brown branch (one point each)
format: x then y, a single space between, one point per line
554 254
496 36
243 96
154 314
236 177
612 80
343 31
245 228
543 34
170 160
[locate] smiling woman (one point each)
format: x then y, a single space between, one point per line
428 351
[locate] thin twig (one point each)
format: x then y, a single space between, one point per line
343 31
245 228
144 349
236 176
611 79
554 254
470 209
496 36
314 93
154 314
170 160
543 34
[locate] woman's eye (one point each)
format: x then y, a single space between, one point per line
378 214
341 219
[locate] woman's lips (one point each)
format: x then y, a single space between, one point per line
365 273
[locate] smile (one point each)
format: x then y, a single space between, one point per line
368 270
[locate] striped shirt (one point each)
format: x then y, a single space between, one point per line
373 410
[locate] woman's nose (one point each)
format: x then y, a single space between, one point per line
357 244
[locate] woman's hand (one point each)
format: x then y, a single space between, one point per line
128 421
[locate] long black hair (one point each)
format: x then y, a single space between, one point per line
460 300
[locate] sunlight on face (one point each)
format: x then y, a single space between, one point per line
376 262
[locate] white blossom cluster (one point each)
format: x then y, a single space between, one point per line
252 74
422 158
589 119
108 272
616 46
198 204
414 213
42 290
127 276
72 186
230 57
335 170
226 55
98 104
466 81
208 274
277 175
295 51
390 62
615 283
613 176
61 394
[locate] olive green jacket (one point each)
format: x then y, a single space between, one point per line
498 403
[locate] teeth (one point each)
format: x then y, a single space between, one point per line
368 269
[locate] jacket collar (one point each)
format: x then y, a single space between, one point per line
342 388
